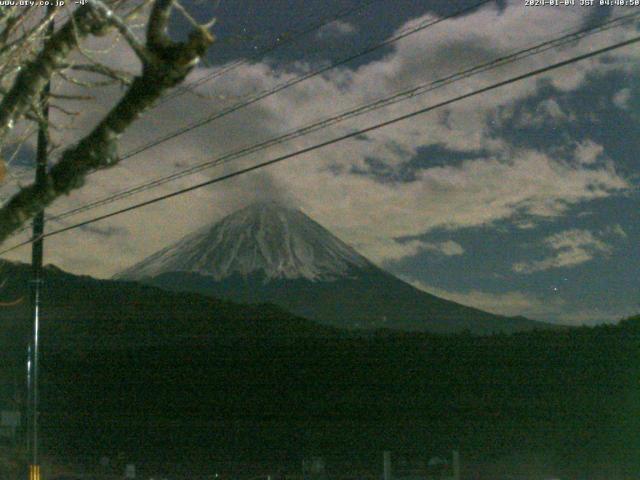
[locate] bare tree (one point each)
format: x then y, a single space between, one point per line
31 54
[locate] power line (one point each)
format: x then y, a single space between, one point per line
301 78
287 39
336 140
354 112
266 93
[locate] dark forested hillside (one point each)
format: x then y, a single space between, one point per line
183 379
570 397
82 312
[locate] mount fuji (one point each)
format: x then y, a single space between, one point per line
268 253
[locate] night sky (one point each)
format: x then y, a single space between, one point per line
521 201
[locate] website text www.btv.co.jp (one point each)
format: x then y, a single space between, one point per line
32 3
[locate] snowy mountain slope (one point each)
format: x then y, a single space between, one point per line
265 237
269 253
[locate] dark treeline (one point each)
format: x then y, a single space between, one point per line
571 394
195 380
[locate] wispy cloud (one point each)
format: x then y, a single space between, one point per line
617 230
391 249
338 28
588 152
546 111
505 183
510 303
571 248
448 248
621 98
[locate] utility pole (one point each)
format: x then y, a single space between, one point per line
386 465
36 277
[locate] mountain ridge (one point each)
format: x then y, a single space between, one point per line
269 253
81 312
280 241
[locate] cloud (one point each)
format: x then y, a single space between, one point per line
510 303
548 110
470 194
391 250
514 303
621 98
595 316
571 248
616 230
505 182
448 248
337 28
588 152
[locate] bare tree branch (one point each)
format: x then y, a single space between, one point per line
123 28
111 73
165 64
34 76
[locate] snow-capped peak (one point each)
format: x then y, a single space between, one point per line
266 238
